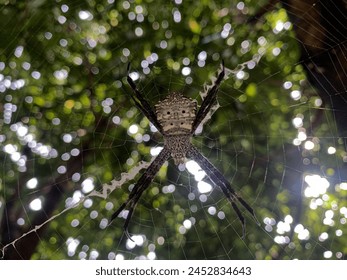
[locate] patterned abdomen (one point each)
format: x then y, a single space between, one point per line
176 114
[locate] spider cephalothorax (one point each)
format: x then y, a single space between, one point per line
176 118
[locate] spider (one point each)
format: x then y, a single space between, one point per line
177 118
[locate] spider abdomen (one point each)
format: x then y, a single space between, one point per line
176 114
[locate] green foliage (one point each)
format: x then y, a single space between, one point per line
72 56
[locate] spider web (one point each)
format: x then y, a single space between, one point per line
271 134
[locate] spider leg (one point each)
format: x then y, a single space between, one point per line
209 100
141 185
142 103
241 218
218 179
